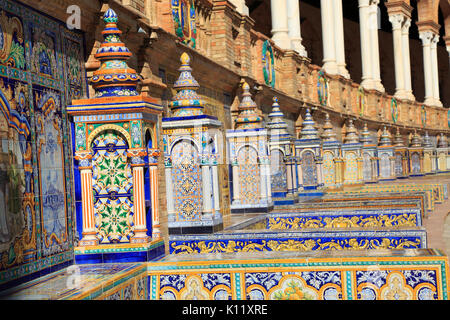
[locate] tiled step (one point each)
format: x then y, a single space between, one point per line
300 240
357 218
368 201
348 275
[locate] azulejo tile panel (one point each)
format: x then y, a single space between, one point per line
345 219
187 181
41 68
389 275
300 240
249 175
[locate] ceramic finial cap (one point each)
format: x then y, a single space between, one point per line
277 124
385 138
248 117
186 102
365 135
351 135
308 130
398 139
328 133
114 78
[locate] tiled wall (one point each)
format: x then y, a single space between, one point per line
41 70
419 275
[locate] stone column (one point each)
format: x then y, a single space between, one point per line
328 37
367 76
397 22
153 155
294 33
406 59
374 45
89 233
434 69
320 172
339 38
427 37
140 219
278 11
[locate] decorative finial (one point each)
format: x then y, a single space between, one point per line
185 59
351 135
426 141
385 138
415 140
365 135
114 78
398 140
186 102
309 130
277 124
442 142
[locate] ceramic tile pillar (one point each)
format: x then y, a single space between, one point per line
369 157
332 160
308 148
281 159
429 155
415 155
442 152
386 156
140 221
249 158
407 59
333 38
190 152
351 153
89 234
153 155
114 128
401 156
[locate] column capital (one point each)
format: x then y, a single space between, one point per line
426 36
406 25
396 20
363 3
434 40
84 159
153 155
